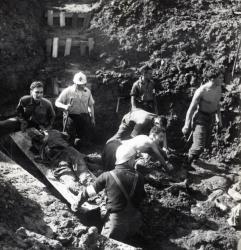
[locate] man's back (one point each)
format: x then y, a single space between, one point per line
116 199
140 116
140 143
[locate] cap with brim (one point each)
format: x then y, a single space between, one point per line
124 153
80 78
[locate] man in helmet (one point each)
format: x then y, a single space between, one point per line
125 192
77 104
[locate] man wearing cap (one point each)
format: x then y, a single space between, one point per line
78 105
202 112
142 92
125 191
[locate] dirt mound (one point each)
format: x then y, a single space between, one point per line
21 47
180 40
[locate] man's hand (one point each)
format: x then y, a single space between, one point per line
80 199
68 106
23 125
185 130
93 121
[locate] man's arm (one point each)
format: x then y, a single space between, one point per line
59 102
20 115
133 102
19 109
192 108
92 111
219 117
52 116
89 191
133 94
158 154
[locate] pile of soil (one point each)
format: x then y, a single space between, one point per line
22 48
180 40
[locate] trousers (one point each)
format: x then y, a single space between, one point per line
123 224
203 125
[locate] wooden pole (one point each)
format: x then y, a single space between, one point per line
50 17
55 47
62 19
67 46
236 58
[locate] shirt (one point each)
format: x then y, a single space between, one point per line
116 200
142 90
140 119
38 113
81 99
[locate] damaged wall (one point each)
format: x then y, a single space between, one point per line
21 48
180 40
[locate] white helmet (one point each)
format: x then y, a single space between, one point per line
80 78
124 153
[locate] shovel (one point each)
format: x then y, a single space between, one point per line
67 116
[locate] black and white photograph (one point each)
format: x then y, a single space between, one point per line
120 125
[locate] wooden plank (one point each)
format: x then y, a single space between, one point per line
91 43
74 20
83 46
23 141
49 46
55 47
86 21
62 19
50 17
67 46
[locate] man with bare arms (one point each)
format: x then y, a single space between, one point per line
152 144
202 113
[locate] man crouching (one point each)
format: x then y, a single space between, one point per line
125 190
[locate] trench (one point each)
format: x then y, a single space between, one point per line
169 224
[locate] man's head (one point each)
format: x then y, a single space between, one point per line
36 90
157 134
215 75
146 71
125 154
160 121
80 79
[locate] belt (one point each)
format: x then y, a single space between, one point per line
206 113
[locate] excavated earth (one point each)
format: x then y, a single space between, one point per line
180 40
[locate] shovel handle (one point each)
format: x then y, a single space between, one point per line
67 115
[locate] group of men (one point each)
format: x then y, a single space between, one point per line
125 186
140 131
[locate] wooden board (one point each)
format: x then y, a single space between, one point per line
23 142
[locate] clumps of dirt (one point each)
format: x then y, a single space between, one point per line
32 218
180 41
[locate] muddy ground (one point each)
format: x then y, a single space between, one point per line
180 40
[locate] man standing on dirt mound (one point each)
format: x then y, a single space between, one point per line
202 112
142 92
125 191
78 105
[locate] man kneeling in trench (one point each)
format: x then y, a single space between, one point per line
138 122
151 144
125 191
66 163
